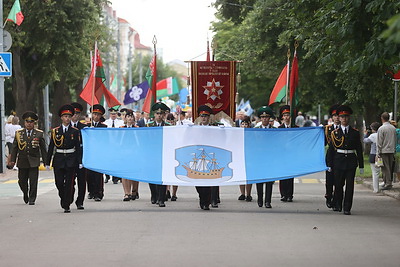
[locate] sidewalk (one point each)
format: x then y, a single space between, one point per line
394 192
13 175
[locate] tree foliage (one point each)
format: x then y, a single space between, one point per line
342 55
52 47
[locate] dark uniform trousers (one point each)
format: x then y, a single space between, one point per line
66 159
158 192
268 192
95 181
204 195
28 155
329 176
30 175
80 176
286 187
344 165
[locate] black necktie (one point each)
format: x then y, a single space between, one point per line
29 134
345 131
113 125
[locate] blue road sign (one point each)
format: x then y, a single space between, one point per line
5 64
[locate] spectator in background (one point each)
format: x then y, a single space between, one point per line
386 148
246 123
299 119
370 137
9 132
397 155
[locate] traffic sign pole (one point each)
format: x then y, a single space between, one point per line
2 115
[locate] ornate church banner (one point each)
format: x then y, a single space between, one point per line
214 85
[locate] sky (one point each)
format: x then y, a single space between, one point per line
180 26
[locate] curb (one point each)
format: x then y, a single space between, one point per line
393 193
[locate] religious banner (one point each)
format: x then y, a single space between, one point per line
214 85
233 156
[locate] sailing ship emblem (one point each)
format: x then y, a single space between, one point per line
205 162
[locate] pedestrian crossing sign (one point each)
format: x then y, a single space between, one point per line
5 64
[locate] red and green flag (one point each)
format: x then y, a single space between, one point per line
151 76
95 89
16 15
280 88
167 87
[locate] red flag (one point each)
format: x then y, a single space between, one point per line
151 77
96 83
294 79
279 91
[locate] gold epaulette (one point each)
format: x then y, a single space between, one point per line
40 131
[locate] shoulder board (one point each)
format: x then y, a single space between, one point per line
73 127
40 131
19 130
56 127
167 124
355 129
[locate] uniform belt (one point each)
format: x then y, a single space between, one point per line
65 151
344 151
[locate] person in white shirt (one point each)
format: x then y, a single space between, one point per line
9 131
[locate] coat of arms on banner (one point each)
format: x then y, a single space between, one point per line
203 163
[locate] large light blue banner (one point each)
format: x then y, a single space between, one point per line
196 155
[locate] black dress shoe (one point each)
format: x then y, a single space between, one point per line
67 210
328 203
97 199
162 204
337 209
260 202
126 198
168 194
268 205
284 199
214 205
90 196
174 198
290 199
242 197
205 207
31 203
26 199
347 212
80 207
249 198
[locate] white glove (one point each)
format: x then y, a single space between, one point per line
329 169
80 166
361 170
47 167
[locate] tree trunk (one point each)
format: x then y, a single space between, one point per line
61 97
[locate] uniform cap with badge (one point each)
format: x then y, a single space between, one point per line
97 108
204 110
284 109
30 116
159 107
333 109
344 110
265 111
66 110
77 107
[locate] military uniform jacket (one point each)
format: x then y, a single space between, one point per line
79 125
351 141
66 148
27 149
99 125
328 129
154 124
268 127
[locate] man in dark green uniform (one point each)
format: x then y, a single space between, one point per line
158 192
28 146
265 113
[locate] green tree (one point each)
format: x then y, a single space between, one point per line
52 47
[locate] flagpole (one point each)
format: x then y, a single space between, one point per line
287 75
93 62
154 80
